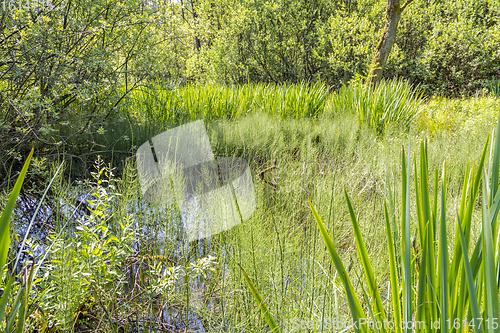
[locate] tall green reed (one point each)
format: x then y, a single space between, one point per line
17 298
432 287
441 291
160 103
17 302
390 102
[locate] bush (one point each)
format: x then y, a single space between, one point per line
448 48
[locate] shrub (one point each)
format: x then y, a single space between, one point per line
99 274
448 48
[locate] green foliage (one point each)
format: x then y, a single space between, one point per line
263 41
13 304
430 285
280 247
160 105
98 272
354 31
66 70
439 115
62 69
269 319
449 48
88 266
494 88
390 102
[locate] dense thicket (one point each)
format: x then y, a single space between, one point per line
65 66
449 47
63 70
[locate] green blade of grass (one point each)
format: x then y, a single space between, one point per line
477 255
365 261
427 218
21 248
21 318
461 212
443 256
269 319
422 275
491 290
495 168
393 272
397 245
7 212
470 280
424 185
494 191
370 310
5 298
354 304
406 237
466 223
16 305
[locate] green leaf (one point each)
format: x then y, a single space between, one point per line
393 271
443 256
5 298
470 280
7 212
365 261
354 304
496 164
35 214
269 319
491 290
406 238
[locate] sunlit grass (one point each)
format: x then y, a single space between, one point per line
443 115
171 104
294 154
427 293
431 291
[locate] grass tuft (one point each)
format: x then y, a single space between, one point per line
394 102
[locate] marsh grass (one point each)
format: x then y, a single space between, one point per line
293 158
361 163
442 116
280 247
162 104
423 272
13 301
431 289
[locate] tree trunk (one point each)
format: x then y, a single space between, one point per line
197 43
384 46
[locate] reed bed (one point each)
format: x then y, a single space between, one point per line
159 102
390 102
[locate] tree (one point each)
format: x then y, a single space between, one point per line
61 71
384 46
